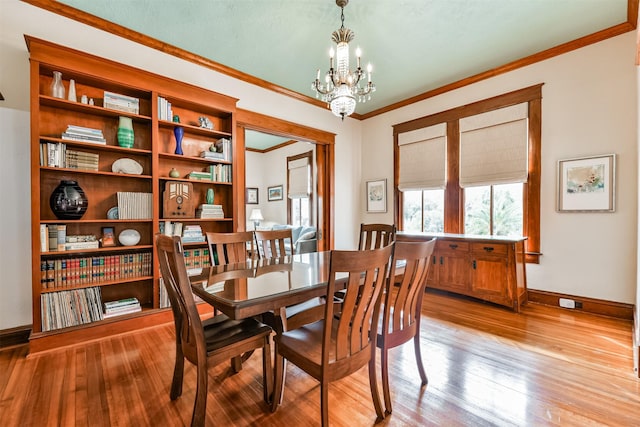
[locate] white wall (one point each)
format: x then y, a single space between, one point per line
18 18
269 169
15 215
588 108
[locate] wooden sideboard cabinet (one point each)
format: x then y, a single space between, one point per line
490 268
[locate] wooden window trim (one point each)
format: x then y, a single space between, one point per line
453 203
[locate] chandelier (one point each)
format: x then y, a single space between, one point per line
342 87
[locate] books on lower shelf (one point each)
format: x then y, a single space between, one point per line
70 308
133 205
120 307
59 273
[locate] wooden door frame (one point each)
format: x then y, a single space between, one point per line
324 166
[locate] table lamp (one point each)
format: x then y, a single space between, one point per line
256 217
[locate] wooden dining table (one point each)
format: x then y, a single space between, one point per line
254 287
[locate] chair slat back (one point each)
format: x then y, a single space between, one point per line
189 332
230 248
367 272
375 236
271 243
403 299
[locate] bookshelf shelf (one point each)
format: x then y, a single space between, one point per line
141 94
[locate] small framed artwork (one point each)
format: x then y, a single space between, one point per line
377 195
252 196
108 237
587 184
274 193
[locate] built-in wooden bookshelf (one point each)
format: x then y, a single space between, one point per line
153 149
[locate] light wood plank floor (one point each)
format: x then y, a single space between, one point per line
487 366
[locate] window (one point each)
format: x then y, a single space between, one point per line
299 189
492 164
423 210
494 209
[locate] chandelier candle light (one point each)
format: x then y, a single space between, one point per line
342 87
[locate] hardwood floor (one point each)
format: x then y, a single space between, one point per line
487 366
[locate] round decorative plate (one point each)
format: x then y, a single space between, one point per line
126 165
113 213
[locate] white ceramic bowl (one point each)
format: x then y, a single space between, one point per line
129 237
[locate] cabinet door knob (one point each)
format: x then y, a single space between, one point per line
474 264
453 246
488 248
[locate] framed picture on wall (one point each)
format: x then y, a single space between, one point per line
377 195
587 184
252 196
274 193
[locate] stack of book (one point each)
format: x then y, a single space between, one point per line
209 211
123 306
202 176
84 134
81 160
192 234
212 155
116 101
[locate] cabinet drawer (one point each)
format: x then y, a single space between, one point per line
489 248
451 246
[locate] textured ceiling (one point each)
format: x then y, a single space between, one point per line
414 45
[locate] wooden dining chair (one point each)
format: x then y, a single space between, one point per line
372 236
230 248
273 243
402 304
331 349
375 236
205 343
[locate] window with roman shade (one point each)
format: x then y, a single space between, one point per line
299 184
494 147
423 158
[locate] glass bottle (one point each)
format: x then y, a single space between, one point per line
57 88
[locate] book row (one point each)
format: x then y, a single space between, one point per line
70 308
133 205
66 272
216 173
53 237
56 155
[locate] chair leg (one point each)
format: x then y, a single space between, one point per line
200 405
374 385
279 379
267 370
324 403
384 362
178 375
423 374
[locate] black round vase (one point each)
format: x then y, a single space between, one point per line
68 201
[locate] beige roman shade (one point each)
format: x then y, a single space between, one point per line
494 147
298 178
423 156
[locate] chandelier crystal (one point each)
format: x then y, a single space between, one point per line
342 88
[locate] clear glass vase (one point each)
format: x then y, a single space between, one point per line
57 88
